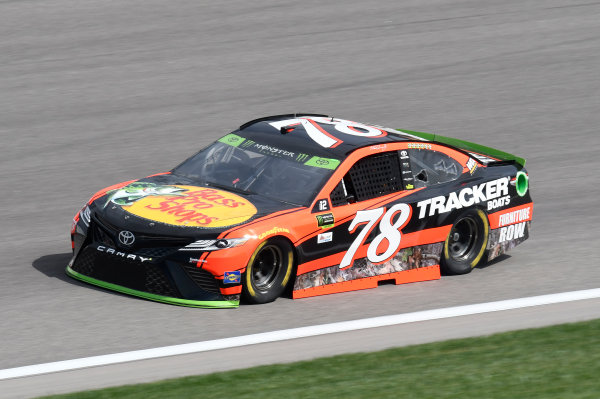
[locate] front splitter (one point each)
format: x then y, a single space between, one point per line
153 297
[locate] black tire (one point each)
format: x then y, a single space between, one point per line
466 243
268 272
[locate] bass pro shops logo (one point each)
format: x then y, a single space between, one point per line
181 205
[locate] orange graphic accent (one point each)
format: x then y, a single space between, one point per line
263 222
403 277
194 207
523 213
159 174
236 289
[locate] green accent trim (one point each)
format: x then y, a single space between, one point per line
325 163
522 183
153 297
469 146
232 139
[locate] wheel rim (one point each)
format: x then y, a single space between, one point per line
266 267
463 238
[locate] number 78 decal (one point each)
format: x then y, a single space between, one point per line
389 232
320 135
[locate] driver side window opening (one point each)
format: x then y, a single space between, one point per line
370 177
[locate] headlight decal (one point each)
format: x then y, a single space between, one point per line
214 245
85 215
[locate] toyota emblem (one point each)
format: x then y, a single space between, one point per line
126 237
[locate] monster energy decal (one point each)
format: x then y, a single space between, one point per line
318 162
302 157
248 143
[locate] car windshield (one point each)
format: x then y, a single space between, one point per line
242 165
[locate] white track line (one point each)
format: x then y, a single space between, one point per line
293 333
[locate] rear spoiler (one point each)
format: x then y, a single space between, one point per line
468 146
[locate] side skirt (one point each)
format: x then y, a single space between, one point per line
402 277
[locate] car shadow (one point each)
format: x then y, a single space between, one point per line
484 265
492 262
54 266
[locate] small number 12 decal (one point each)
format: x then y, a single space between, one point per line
390 232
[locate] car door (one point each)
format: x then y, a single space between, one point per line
368 180
377 192
368 218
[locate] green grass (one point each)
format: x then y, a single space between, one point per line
555 362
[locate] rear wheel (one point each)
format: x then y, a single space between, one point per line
268 271
465 245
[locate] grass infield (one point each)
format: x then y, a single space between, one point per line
554 362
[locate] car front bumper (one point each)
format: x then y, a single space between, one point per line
158 279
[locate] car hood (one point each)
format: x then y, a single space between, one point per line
175 206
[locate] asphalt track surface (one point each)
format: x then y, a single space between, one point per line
93 93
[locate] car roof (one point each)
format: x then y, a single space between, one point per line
297 139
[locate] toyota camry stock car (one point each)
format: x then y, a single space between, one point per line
303 204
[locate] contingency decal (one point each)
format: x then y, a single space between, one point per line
416 257
325 237
325 220
234 277
472 165
183 205
408 179
420 146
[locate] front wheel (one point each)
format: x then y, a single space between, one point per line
268 271
465 245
